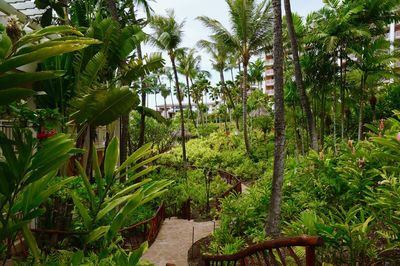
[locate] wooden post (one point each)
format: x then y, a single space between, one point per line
310 256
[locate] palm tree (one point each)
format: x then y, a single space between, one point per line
256 71
167 36
272 226
299 77
251 23
372 62
165 93
189 65
219 57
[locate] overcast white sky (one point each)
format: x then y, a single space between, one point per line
188 10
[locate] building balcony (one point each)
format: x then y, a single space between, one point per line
397 34
269 62
269 72
270 82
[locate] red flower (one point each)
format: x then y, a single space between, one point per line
398 137
45 135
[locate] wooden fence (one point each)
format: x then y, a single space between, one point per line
273 252
232 180
147 230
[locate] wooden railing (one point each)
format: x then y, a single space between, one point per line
232 180
273 252
147 230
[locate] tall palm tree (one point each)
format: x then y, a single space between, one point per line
372 62
167 36
189 65
219 58
251 23
299 77
256 71
165 93
272 226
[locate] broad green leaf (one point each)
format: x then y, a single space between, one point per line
86 182
81 209
135 255
103 107
97 173
41 33
139 153
110 205
131 188
39 55
133 202
57 42
96 234
5 45
141 173
10 80
111 159
143 163
31 242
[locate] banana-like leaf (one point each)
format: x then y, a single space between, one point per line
135 255
96 234
153 114
86 182
31 242
139 153
56 42
10 95
39 55
142 173
111 205
143 163
111 159
10 80
42 33
103 107
123 214
81 210
130 189
93 69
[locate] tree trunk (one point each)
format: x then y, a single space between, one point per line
273 224
123 148
361 110
181 113
165 107
341 98
322 120
189 101
112 7
334 119
244 101
142 127
305 103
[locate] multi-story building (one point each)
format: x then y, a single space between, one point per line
269 75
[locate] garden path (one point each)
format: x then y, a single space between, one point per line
175 239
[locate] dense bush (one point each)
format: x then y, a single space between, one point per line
351 199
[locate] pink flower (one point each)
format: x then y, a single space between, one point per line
398 137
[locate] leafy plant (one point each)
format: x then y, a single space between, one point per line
108 209
26 170
31 48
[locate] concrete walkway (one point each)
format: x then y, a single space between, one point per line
174 240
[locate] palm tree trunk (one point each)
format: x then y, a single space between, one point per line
190 102
113 9
142 126
244 101
334 120
361 110
229 95
165 107
342 104
273 225
181 113
305 103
